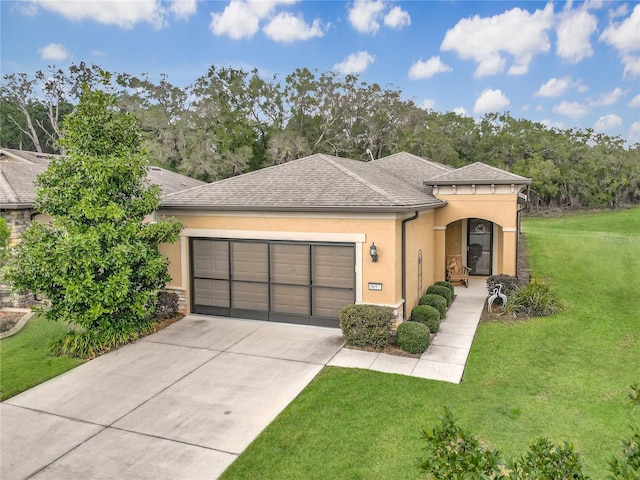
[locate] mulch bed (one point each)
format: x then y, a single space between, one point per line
8 320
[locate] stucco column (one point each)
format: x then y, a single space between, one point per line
509 239
439 249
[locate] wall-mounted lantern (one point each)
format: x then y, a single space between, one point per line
373 251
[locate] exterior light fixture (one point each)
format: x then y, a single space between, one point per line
373 251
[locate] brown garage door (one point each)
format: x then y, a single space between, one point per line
269 280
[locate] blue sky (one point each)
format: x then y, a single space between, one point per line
565 64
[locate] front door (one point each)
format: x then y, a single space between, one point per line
479 246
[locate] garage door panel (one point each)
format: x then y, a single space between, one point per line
327 302
290 299
333 266
211 292
250 296
290 263
210 259
249 261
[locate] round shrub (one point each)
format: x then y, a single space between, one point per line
413 337
427 315
449 285
366 325
436 301
442 291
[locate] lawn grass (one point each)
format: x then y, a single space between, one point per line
565 377
24 361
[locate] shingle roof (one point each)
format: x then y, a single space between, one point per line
318 182
410 168
479 174
23 156
171 182
19 173
17 184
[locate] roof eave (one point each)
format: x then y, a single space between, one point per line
333 209
523 181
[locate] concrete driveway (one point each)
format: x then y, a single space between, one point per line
180 404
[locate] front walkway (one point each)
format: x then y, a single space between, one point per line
447 355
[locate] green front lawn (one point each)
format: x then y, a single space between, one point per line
565 377
24 361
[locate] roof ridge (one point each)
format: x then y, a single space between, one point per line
7 189
363 181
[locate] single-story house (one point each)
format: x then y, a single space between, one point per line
19 170
297 242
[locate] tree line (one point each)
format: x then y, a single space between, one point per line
231 121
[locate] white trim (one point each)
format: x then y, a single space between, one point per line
253 214
509 229
440 227
184 258
358 268
274 235
494 255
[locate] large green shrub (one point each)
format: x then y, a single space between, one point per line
428 315
436 301
97 261
413 337
366 325
546 461
442 291
535 299
449 285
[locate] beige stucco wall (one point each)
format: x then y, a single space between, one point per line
383 229
499 208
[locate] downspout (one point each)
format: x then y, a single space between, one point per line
518 227
404 263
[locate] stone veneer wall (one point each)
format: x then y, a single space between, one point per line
17 221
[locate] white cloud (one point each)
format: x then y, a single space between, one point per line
634 133
123 13
623 36
428 69
552 124
608 98
286 27
574 110
460 111
241 18
397 18
490 101
54 51
183 8
607 123
539 108
364 15
574 31
515 32
428 104
554 87
635 102
99 53
355 63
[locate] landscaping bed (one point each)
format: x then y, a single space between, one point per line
9 319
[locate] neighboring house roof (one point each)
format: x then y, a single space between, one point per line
315 183
22 156
17 184
478 174
19 171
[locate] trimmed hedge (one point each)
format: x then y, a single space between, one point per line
436 301
413 337
366 325
442 291
449 285
427 315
